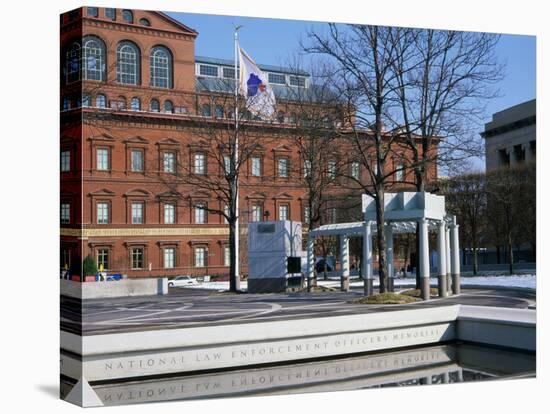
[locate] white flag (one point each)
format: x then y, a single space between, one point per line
253 84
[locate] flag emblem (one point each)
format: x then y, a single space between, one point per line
253 84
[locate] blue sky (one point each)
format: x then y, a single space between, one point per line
275 41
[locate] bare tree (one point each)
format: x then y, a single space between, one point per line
466 197
444 81
511 204
363 58
214 165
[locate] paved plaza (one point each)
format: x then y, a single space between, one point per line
191 308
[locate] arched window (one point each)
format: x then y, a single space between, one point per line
219 111
86 100
154 105
93 58
281 117
135 104
144 22
161 67
100 101
206 110
168 106
128 16
127 64
72 63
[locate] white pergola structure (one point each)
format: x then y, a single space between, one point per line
403 211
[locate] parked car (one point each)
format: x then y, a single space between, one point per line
180 281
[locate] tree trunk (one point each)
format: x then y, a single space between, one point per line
381 241
417 257
510 255
498 254
233 284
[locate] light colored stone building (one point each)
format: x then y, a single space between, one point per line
510 138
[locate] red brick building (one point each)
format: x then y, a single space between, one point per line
132 94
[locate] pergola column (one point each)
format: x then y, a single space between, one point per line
442 260
310 261
366 263
344 262
388 229
424 256
455 258
448 256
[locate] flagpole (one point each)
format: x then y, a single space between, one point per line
235 163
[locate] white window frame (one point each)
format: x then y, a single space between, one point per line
199 165
102 159
286 209
102 211
169 213
65 160
332 169
137 160
355 170
282 172
65 213
307 168
256 166
257 212
169 162
200 213
134 257
398 172
138 212
226 256
169 255
201 253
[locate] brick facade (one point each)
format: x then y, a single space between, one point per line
105 191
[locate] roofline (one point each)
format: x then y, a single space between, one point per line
177 22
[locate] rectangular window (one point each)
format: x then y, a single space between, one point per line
200 163
399 172
226 211
137 258
110 13
331 213
208 70
169 214
92 11
256 166
137 160
102 159
355 170
226 256
227 164
200 256
256 212
297 81
65 213
307 215
282 167
307 168
169 257
332 169
180 110
229 73
200 213
169 161
103 259
137 213
65 161
276 78
283 212
102 213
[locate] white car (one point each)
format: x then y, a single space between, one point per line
180 281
